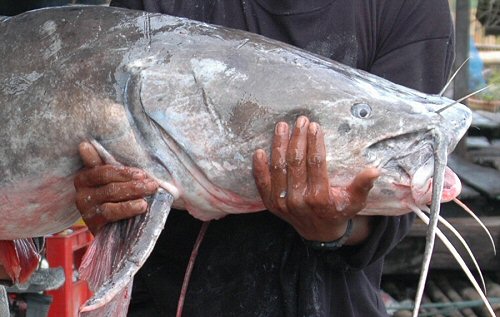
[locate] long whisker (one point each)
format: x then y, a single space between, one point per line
465 244
440 160
460 261
461 99
473 215
425 269
453 77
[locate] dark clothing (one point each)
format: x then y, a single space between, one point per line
407 42
256 264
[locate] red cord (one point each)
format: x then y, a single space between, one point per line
189 269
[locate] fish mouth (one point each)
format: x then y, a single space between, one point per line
411 165
412 174
422 183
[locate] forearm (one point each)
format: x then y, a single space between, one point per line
375 237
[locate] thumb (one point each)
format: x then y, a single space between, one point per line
363 182
360 187
89 155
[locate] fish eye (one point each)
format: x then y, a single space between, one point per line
361 110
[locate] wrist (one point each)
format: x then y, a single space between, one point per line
333 244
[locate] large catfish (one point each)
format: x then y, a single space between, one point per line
189 103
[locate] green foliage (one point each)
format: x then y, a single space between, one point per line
493 92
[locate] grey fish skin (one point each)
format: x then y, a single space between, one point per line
189 102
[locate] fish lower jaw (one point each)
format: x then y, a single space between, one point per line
422 192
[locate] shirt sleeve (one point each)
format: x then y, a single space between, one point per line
415 49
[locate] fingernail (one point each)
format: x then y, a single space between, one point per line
138 205
301 122
313 128
150 185
281 128
372 182
259 154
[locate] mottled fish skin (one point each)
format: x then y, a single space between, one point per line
189 103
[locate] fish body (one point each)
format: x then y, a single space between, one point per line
189 103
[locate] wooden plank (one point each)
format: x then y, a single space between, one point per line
477 142
409 252
487 47
492 151
486 157
468 193
490 57
494 117
485 120
485 180
462 40
462 25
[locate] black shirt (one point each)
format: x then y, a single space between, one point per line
256 264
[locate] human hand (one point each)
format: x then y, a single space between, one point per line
295 185
107 193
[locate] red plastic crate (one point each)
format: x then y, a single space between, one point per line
66 250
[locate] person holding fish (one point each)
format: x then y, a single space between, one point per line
311 254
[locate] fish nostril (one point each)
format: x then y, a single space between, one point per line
344 128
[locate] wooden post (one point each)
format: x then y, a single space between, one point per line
462 36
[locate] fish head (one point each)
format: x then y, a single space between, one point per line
222 104
398 131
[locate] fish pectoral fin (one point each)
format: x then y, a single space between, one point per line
20 258
116 307
118 251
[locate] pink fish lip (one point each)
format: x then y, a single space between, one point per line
422 190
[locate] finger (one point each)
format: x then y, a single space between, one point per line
296 165
98 216
89 155
106 174
125 191
123 210
262 176
359 189
317 171
278 167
